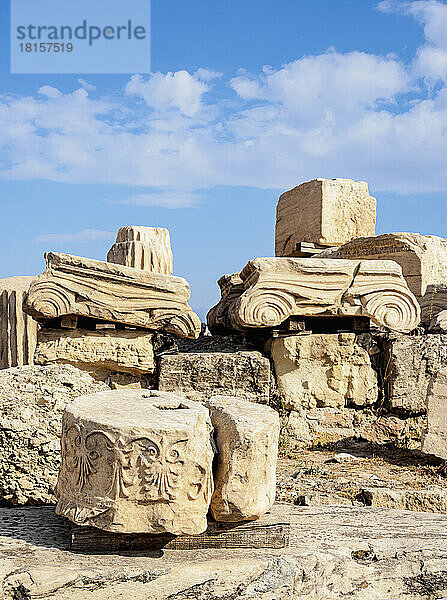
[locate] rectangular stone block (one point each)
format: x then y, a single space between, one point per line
417 500
246 437
423 258
434 440
198 376
329 212
307 428
98 352
410 362
323 370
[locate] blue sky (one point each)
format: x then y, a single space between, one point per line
246 99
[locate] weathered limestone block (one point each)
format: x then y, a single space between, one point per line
410 362
329 212
32 400
278 288
72 285
247 444
98 352
434 440
423 258
136 461
323 370
198 376
319 426
147 248
434 308
428 500
390 428
328 425
18 332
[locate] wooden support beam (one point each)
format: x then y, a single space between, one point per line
267 532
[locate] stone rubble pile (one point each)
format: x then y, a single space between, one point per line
32 401
353 322
341 331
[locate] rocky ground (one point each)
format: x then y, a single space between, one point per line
335 553
362 473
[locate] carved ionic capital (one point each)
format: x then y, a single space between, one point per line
274 289
72 285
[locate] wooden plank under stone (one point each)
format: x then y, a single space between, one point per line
266 532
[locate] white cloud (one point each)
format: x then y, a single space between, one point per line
327 82
86 85
334 114
178 90
167 198
431 59
80 236
207 74
49 91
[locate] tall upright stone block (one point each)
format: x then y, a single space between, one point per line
328 212
147 248
18 331
434 440
247 443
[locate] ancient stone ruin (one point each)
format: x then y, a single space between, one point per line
141 462
18 330
149 430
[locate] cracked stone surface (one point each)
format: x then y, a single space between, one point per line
136 461
32 400
245 470
335 553
200 375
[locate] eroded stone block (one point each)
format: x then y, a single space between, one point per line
18 332
323 211
200 375
247 444
98 352
423 258
136 461
410 362
434 440
147 248
319 426
323 370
